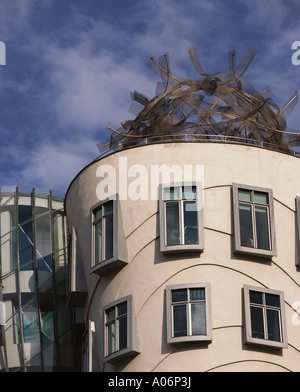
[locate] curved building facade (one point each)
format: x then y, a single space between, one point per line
185 258
36 326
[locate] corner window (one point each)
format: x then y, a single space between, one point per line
181 220
188 313
254 220
265 317
120 331
108 241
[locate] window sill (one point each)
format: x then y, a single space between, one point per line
107 266
268 254
120 355
181 249
266 343
187 339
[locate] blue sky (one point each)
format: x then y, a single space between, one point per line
71 65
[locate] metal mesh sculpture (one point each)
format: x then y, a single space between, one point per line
216 107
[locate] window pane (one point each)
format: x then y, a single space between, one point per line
262 227
244 195
273 325
246 225
109 236
98 242
198 319
256 297
272 300
110 314
98 214
257 322
122 308
108 207
172 193
179 295
189 192
26 247
261 198
190 222
179 320
111 332
172 222
123 333
197 294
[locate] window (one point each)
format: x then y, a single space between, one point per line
298 230
188 313
120 330
265 317
103 232
181 221
254 226
108 241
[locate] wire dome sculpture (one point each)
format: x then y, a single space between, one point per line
221 107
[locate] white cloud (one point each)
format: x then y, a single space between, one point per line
54 166
89 66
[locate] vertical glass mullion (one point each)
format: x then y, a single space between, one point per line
254 232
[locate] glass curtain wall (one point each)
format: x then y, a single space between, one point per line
35 322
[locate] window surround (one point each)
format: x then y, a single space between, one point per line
169 314
132 347
247 326
199 247
77 291
87 347
119 252
255 251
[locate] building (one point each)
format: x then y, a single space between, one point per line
178 249
36 326
185 234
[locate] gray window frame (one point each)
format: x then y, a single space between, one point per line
169 314
132 348
119 257
87 347
247 321
164 248
238 248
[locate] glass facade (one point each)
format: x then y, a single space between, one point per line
36 333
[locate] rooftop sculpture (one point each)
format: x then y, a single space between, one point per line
216 107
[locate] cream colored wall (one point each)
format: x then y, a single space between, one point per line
149 272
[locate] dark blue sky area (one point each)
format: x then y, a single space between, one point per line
71 65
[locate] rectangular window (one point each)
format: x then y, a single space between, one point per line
181 217
298 230
108 243
188 313
116 328
103 232
265 321
253 220
120 330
